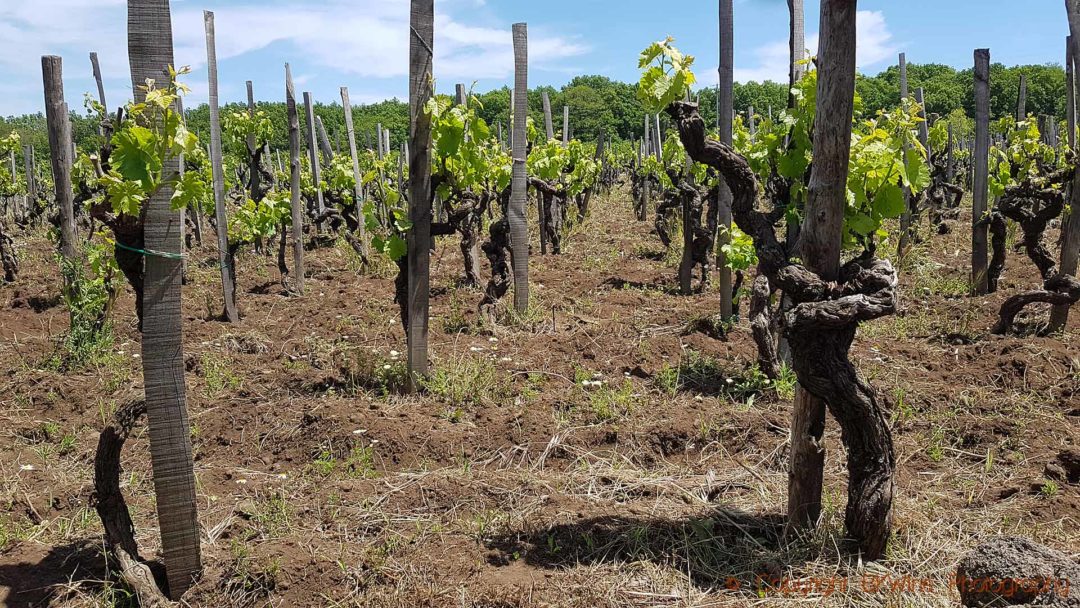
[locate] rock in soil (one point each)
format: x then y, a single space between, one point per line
1015 571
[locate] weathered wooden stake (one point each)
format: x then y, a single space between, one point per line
821 237
96 67
1070 93
30 200
150 52
519 227
324 141
421 52
296 204
906 229
1021 99
358 192
225 257
924 127
548 126
659 139
565 126
979 280
796 46
59 124
313 154
724 120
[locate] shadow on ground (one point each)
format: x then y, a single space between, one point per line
724 548
34 584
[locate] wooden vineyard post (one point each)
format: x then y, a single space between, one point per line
1070 95
924 127
659 139
646 190
565 126
686 265
324 141
29 199
724 120
253 168
59 124
950 166
548 126
519 227
796 46
225 256
1021 99
421 55
1070 242
821 237
906 229
358 192
313 154
980 192
541 220
296 204
15 211
96 67
150 53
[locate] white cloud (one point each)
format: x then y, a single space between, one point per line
358 38
770 61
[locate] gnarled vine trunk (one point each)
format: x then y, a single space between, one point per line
825 314
1032 203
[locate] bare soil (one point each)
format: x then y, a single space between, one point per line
597 451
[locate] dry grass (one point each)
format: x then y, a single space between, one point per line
512 483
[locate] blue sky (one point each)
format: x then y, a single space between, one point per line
362 43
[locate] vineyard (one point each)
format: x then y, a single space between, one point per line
492 349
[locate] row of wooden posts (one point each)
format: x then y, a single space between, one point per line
150 51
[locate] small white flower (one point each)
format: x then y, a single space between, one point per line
493 339
282 476
136 356
241 481
26 467
475 349
729 380
387 366
506 359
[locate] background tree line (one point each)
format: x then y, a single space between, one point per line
598 103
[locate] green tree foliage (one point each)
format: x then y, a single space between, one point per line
598 103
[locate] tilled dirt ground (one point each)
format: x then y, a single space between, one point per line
595 451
